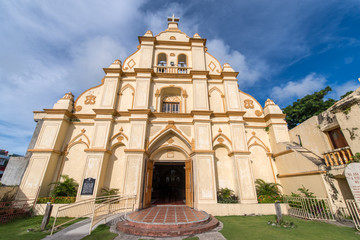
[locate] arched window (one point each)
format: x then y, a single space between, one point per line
171 104
161 64
182 63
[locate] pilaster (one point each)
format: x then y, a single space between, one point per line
142 91
203 159
200 90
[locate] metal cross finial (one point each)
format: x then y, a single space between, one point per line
173 19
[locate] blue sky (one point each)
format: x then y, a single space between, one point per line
282 49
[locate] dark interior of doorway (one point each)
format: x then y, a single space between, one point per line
168 186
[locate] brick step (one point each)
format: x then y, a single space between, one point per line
159 231
178 225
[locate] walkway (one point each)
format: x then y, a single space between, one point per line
167 221
168 215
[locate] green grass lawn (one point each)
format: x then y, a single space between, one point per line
101 233
241 227
17 229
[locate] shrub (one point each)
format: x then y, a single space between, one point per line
65 188
304 192
270 199
267 192
355 158
109 191
226 195
56 199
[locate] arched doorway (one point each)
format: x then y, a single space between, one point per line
168 178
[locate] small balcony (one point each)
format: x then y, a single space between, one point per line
171 69
337 157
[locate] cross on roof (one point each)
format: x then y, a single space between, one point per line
173 19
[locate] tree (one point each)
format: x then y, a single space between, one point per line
308 106
65 188
268 189
346 94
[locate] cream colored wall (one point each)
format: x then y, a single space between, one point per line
311 136
294 163
261 164
224 169
216 102
313 182
74 163
115 172
126 98
349 124
242 209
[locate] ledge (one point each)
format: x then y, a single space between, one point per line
282 153
45 150
275 115
300 174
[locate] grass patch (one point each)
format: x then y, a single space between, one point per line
257 228
102 232
17 229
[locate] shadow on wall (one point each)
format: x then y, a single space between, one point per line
8 193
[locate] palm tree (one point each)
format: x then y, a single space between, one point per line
268 189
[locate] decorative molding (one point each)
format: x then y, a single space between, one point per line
90 99
98 150
45 150
262 144
249 104
282 153
301 174
275 115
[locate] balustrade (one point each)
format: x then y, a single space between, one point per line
338 157
171 69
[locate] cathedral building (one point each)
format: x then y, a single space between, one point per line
168 124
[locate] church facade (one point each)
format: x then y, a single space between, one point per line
169 124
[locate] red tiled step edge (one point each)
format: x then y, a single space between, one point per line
167 230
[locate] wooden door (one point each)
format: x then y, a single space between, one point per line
337 138
148 183
189 184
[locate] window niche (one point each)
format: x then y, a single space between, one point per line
170 100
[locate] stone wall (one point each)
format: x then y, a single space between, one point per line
14 171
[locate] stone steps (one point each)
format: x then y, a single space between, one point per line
167 230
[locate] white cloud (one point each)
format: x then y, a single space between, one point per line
248 73
154 20
50 48
308 85
340 90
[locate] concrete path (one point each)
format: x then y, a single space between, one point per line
75 231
